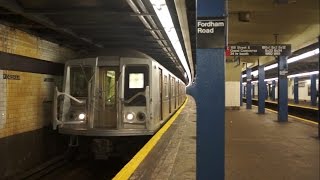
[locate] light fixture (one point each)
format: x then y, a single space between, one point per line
82 116
303 56
162 11
130 116
271 79
290 60
244 16
303 74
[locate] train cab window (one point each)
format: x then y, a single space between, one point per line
79 77
136 80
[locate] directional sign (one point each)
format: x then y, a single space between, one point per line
210 33
259 50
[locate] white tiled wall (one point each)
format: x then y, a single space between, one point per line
232 97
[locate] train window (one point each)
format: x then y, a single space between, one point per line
79 77
172 84
136 80
166 86
110 82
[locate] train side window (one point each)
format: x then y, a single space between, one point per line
173 84
166 85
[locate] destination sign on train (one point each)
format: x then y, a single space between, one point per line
259 50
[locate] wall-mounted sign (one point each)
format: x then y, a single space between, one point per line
11 76
210 33
259 50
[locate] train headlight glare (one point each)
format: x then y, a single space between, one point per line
82 116
129 116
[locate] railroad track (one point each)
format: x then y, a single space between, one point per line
299 111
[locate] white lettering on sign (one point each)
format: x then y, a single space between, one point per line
202 30
207 27
241 50
259 50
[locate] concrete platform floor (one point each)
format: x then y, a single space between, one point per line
259 147
256 148
174 157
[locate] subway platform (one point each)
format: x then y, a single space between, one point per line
257 148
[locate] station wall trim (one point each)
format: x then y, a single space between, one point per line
27 64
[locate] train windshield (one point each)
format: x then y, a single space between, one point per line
136 78
79 78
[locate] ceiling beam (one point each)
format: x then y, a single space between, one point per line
13 6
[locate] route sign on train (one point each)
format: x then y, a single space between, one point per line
259 50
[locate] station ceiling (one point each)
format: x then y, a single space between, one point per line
294 22
94 24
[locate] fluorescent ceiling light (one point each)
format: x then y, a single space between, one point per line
271 79
303 56
295 75
162 11
303 74
290 60
254 73
272 66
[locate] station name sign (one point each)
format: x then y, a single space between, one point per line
210 33
11 77
259 50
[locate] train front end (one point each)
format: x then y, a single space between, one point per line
103 97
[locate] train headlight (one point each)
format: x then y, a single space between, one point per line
82 116
130 116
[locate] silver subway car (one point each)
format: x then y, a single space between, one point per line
116 96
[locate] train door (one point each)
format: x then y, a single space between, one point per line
106 111
161 94
170 93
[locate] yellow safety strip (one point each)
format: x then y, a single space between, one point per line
133 164
299 118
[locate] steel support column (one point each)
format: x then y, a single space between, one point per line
241 96
267 91
296 90
253 90
282 89
261 90
249 98
319 90
273 90
313 89
210 99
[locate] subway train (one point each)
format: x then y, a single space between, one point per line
116 95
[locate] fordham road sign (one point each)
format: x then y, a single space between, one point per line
210 33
